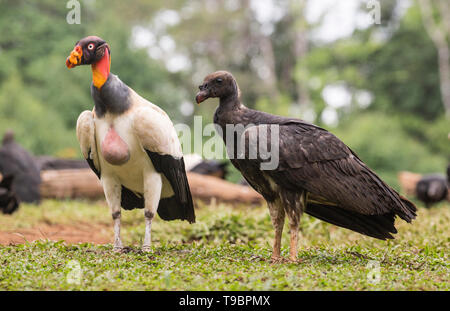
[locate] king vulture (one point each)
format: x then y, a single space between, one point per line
131 144
316 173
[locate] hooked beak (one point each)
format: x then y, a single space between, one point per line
202 95
74 58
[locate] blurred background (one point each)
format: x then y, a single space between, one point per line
382 86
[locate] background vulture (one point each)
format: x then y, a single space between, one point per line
9 202
16 162
131 145
317 173
195 163
433 188
211 168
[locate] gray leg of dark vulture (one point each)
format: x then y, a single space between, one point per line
277 215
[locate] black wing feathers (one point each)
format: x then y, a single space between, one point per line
181 206
129 200
315 160
376 226
92 166
324 165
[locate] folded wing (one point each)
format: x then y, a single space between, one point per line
159 139
86 138
342 189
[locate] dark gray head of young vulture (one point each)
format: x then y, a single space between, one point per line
219 84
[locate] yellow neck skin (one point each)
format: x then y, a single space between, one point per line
100 70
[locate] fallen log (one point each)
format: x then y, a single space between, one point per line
52 163
408 182
208 187
83 183
70 184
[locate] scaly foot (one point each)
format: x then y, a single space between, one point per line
117 249
146 248
278 260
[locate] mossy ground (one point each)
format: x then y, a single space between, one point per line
228 248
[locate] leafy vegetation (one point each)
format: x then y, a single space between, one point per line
394 63
39 95
227 249
383 142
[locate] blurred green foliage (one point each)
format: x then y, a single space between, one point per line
403 128
40 98
382 142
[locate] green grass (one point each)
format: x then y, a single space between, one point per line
227 249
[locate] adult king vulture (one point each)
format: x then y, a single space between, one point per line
131 144
316 172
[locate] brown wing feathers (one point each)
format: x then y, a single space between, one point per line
376 226
342 189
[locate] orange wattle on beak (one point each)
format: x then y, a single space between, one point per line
74 58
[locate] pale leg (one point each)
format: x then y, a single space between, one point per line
152 194
294 213
294 242
277 215
113 192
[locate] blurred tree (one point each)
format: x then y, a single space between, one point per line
35 41
163 49
439 31
394 61
381 142
300 50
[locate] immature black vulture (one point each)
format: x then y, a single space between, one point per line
132 146
9 202
17 162
317 173
433 188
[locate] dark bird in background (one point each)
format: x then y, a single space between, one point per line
195 163
317 173
131 144
9 202
17 162
211 168
433 188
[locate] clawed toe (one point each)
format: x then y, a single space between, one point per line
281 260
278 260
294 260
146 249
117 249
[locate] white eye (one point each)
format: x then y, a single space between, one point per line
91 46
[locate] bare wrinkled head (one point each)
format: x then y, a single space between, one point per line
88 50
218 84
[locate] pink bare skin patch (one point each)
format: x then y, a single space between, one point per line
114 149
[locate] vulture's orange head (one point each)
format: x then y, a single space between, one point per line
88 51
218 84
